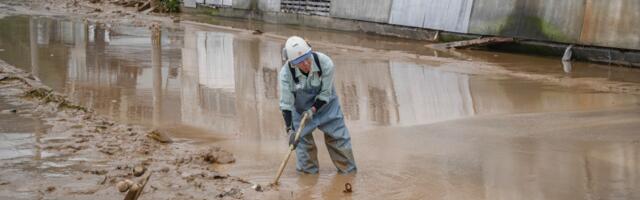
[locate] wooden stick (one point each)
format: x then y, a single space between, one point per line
303 122
471 43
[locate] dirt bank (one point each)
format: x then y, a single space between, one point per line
82 155
104 11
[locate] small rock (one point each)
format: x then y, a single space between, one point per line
134 187
233 192
257 187
164 169
124 185
139 170
104 180
51 189
13 111
98 172
159 136
347 188
217 155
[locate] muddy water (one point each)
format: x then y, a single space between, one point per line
423 125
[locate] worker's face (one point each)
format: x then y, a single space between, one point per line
304 66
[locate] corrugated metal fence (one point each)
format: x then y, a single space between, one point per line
307 7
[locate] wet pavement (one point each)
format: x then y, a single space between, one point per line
425 124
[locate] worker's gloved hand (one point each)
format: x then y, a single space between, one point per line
292 137
310 113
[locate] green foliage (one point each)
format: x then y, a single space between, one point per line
171 5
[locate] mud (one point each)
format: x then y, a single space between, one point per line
75 153
425 124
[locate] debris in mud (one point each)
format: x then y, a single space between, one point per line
124 185
159 136
110 150
104 180
135 190
233 193
567 53
97 171
12 111
347 188
164 169
257 187
88 138
217 155
471 43
139 170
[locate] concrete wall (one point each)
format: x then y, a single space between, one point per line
269 5
533 19
613 23
589 22
242 4
452 15
365 10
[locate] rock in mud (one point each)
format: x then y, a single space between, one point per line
164 169
159 136
124 185
217 155
139 170
257 187
233 193
133 190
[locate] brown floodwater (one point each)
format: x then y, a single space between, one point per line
425 124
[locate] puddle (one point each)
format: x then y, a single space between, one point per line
420 130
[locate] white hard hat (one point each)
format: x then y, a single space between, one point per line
296 50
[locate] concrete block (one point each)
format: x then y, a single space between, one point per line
189 3
612 23
241 4
365 10
452 15
269 5
559 21
407 13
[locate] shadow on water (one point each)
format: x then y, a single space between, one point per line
419 131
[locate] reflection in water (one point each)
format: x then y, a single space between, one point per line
156 65
228 84
566 66
225 84
431 95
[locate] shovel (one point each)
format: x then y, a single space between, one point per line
303 122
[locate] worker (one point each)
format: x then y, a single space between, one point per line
306 86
